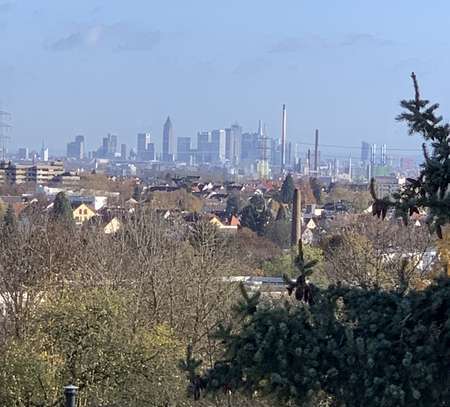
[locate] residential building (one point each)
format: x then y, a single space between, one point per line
94 201
82 213
387 185
38 173
67 179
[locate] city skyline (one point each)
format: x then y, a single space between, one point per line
89 68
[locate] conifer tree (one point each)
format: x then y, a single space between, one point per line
316 188
10 219
287 189
349 346
62 210
430 190
232 205
137 192
256 216
281 213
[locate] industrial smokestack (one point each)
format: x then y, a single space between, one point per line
283 139
309 160
296 227
316 152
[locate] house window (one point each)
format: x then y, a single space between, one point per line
85 211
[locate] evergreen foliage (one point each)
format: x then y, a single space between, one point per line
281 213
279 232
287 190
316 188
233 205
351 346
137 192
430 190
62 210
256 216
357 347
10 220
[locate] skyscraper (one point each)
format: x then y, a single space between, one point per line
109 146
168 150
23 153
44 153
218 145
373 154
204 153
123 151
184 150
233 143
383 155
365 151
143 140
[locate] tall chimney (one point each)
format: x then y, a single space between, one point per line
316 152
296 226
309 161
283 139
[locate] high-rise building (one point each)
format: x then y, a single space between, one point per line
204 147
383 155
75 149
184 152
373 154
233 143
218 145
365 151
143 143
123 151
168 148
289 154
108 148
250 143
44 153
23 153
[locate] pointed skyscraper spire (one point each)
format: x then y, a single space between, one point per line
168 153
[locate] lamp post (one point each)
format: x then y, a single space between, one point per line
70 393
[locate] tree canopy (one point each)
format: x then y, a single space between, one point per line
351 347
287 190
62 210
345 345
430 190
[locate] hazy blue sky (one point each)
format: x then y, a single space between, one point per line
96 66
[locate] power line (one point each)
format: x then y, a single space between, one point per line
359 147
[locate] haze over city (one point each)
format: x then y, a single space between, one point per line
94 67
